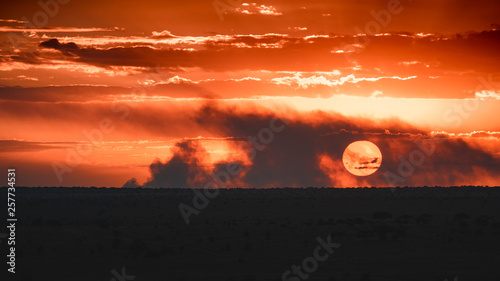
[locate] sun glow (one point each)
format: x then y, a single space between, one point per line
362 158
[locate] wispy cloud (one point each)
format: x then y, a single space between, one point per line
488 95
54 29
306 82
13 21
255 9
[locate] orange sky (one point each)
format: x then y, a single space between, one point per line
166 92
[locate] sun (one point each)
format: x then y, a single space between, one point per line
362 158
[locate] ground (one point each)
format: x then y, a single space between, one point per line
242 235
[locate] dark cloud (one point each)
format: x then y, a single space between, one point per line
30 58
126 56
184 169
82 93
61 93
292 158
29 146
465 51
66 48
181 169
132 183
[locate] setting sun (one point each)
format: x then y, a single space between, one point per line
362 158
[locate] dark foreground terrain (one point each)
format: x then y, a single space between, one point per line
412 234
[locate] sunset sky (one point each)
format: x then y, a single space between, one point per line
95 93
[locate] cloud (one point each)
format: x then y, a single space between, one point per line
29 146
53 29
21 77
64 109
54 44
488 95
475 134
163 34
184 169
306 82
132 183
376 94
308 153
461 52
255 9
13 21
297 28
